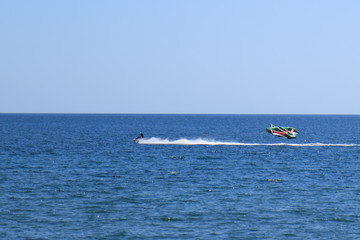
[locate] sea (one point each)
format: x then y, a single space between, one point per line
82 176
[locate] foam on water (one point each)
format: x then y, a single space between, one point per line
200 141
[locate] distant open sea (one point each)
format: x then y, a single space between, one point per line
79 176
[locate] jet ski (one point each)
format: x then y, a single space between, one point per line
288 132
137 139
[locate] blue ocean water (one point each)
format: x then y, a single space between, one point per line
68 176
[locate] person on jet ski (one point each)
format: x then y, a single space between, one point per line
141 135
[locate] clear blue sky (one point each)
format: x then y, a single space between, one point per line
167 56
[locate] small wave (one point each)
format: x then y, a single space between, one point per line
200 141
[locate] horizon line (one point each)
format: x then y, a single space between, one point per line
92 113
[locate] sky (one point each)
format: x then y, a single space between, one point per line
180 56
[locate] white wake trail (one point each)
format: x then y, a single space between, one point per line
200 141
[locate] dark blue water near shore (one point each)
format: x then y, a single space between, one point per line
83 177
